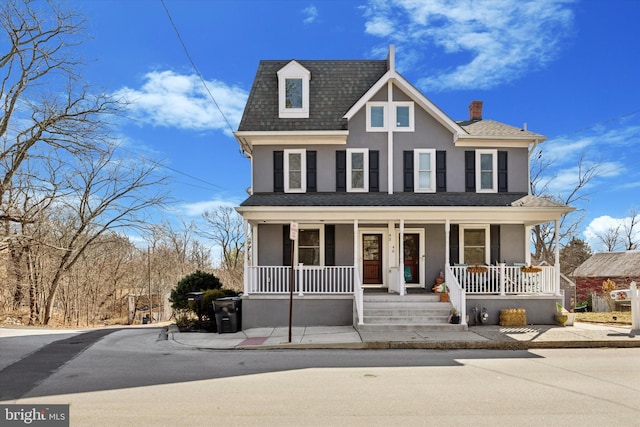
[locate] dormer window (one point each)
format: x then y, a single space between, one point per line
293 91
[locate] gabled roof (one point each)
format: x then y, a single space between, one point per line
417 96
334 87
492 128
610 264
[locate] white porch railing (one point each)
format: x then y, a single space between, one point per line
507 280
309 280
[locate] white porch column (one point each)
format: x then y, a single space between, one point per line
245 270
356 246
447 233
527 245
556 238
403 284
388 120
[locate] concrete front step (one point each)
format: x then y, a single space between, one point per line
417 312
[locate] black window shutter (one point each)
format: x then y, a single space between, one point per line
330 245
286 246
454 244
495 243
311 172
470 171
278 171
341 170
502 172
407 169
374 170
441 171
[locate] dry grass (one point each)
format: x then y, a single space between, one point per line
621 317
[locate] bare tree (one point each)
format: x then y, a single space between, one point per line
610 238
631 229
107 193
543 234
225 229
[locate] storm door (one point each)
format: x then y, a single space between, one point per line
372 259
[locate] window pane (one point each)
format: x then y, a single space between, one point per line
309 256
425 161
295 161
486 162
486 180
371 247
309 247
424 179
293 93
474 237
295 180
402 117
474 255
357 179
377 117
309 238
357 161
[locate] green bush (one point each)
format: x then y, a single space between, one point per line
212 290
194 282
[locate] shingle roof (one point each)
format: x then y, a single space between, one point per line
383 199
610 264
493 128
334 87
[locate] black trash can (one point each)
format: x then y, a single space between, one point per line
228 312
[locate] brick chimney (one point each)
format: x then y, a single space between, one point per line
475 110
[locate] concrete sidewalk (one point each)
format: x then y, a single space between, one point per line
581 335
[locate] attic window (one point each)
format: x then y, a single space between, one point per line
293 91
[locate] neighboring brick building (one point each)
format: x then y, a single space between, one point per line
621 267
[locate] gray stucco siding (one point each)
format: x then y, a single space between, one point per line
511 243
270 249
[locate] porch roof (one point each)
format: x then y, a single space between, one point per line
397 199
515 208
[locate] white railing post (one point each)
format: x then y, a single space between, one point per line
635 307
502 278
300 279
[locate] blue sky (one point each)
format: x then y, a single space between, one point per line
569 69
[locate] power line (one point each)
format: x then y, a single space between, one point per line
193 64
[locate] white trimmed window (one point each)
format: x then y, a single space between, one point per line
486 171
295 171
376 116
293 91
474 244
403 116
358 170
310 245
424 170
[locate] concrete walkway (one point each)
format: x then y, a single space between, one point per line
581 335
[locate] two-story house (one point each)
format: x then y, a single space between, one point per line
388 193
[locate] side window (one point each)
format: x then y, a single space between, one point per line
293 91
474 245
309 246
376 116
357 170
424 171
295 171
403 116
486 171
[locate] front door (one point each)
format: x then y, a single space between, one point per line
372 259
411 258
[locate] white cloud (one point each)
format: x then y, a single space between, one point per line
198 208
602 224
169 99
311 14
500 39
